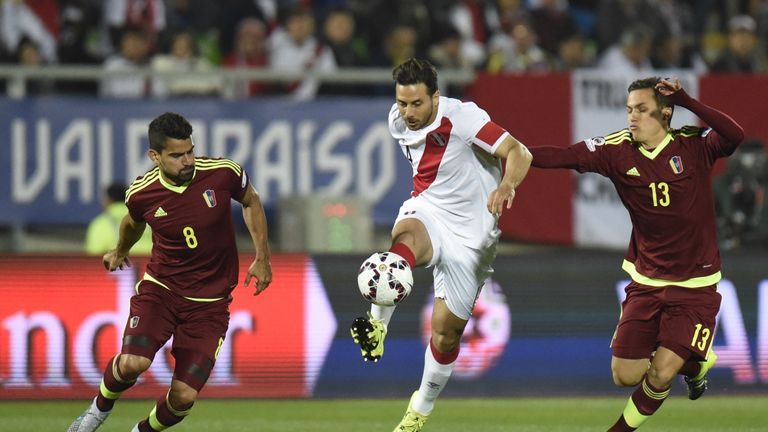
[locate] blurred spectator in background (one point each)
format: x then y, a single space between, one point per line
573 53
517 52
183 60
742 53
235 12
250 51
134 48
470 20
671 54
339 34
37 21
740 193
200 18
28 55
148 15
615 16
446 52
551 21
294 48
630 56
349 51
501 15
104 230
400 44
79 42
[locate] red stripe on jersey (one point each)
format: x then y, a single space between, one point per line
490 133
434 149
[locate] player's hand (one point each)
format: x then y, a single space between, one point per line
261 271
505 193
667 86
112 261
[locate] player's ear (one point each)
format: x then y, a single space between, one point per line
153 156
666 113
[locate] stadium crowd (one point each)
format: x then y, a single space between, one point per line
496 36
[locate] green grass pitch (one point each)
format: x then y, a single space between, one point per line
721 414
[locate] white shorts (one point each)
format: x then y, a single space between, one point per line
459 271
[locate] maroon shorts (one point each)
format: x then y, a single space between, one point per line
679 319
198 330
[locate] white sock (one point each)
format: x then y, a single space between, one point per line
383 313
433 381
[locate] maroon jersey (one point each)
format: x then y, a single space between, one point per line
668 193
194 252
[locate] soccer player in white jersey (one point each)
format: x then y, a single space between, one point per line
450 221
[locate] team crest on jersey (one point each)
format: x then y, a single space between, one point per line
133 322
437 138
592 143
210 198
676 162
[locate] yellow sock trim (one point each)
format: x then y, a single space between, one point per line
154 423
632 416
107 393
652 394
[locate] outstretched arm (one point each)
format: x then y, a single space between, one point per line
518 161
256 221
554 157
130 233
720 122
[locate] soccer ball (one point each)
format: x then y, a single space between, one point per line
385 279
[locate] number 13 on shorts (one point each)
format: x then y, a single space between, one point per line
701 337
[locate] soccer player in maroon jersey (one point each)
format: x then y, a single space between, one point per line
187 287
663 177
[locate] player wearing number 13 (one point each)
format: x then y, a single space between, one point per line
663 177
186 289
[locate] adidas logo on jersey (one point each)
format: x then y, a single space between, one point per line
633 172
160 212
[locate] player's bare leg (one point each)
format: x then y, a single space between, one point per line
119 375
652 392
439 361
169 410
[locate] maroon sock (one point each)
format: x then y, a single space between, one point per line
691 368
165 415
648 398
405 252
114 383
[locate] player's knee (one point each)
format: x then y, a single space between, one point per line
182 396
661 377
131 366
445 342
625 378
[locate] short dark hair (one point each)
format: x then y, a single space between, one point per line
168 125
650 83
116 192
415 71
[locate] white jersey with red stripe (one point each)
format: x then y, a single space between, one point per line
454 170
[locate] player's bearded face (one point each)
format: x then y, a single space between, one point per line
177 160
416 106
644 118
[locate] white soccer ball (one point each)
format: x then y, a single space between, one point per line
385 279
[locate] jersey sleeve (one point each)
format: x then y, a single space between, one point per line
476 128
595 154
239 184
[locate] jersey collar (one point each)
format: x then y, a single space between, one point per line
651 154
173 188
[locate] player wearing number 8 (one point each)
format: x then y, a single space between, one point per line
186 289
663 177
